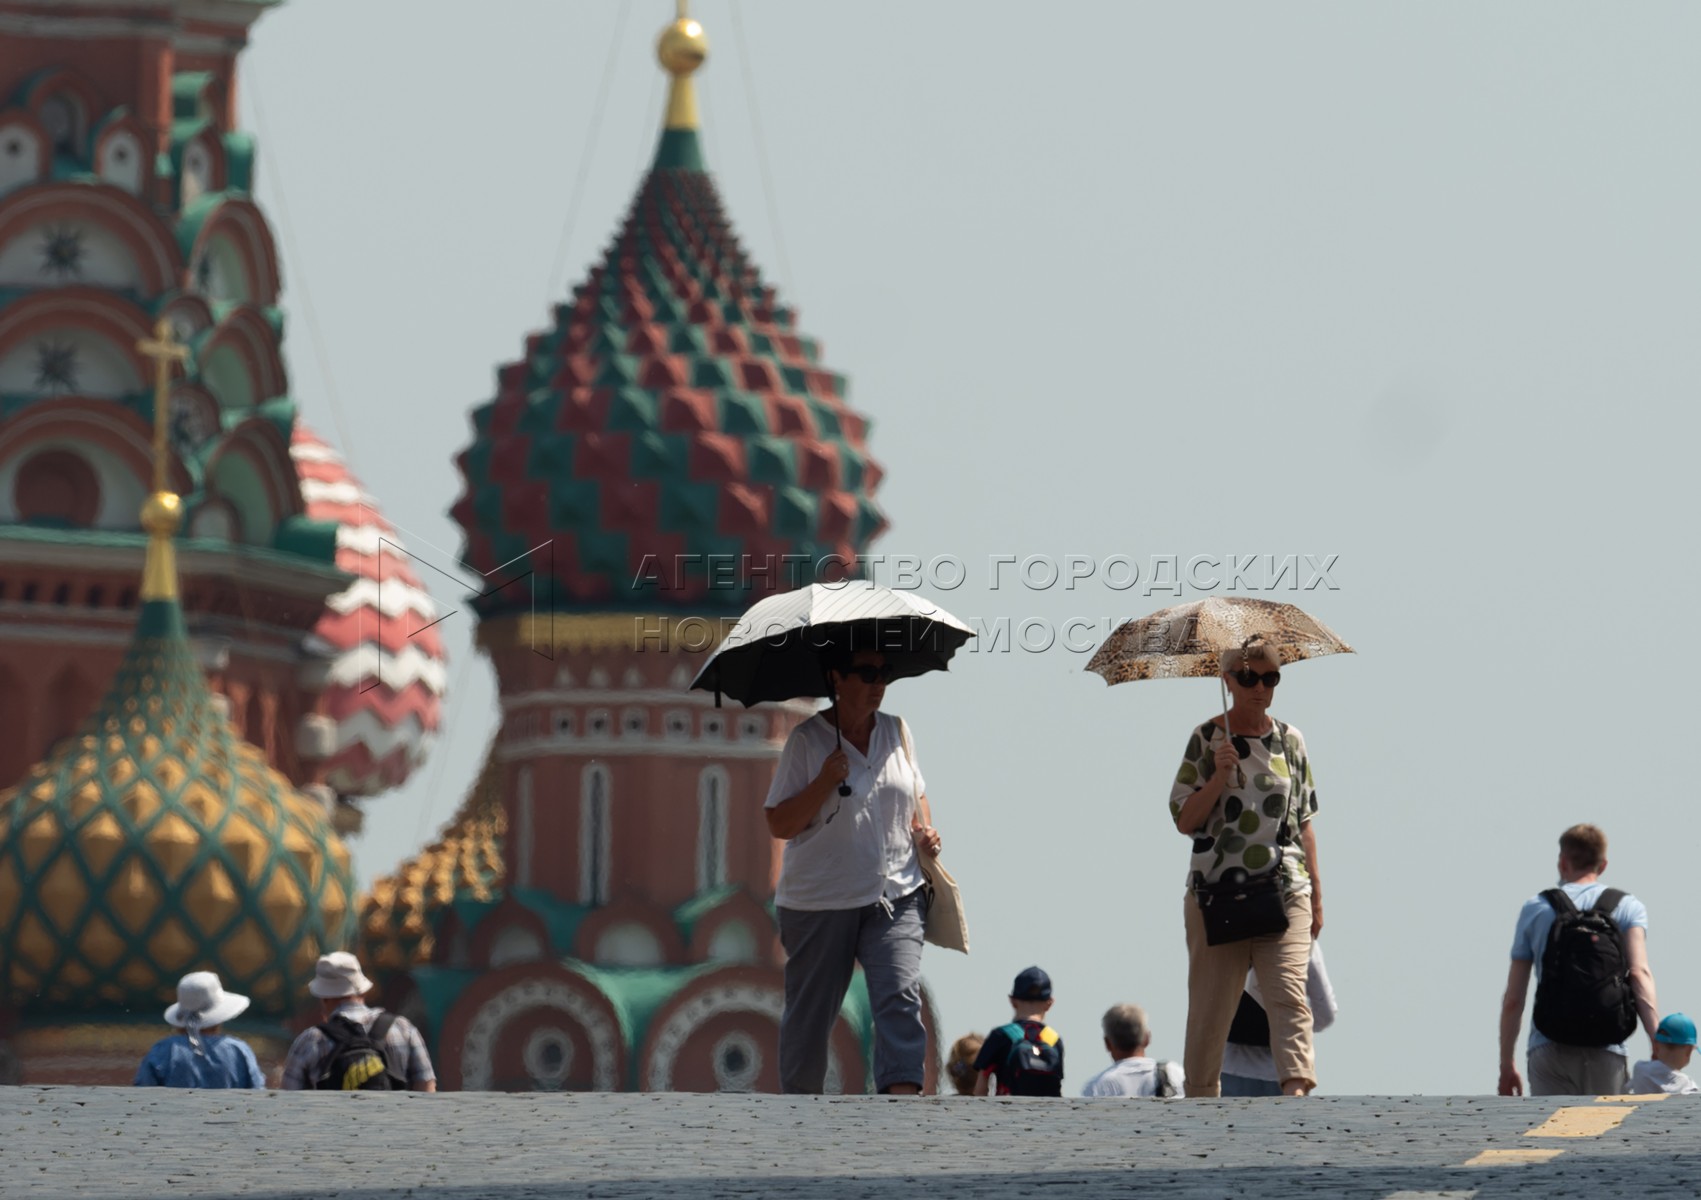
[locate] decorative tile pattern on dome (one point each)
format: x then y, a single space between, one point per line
386 674
672 411
154 842
398 920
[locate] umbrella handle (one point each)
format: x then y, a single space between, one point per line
838 734
1239 775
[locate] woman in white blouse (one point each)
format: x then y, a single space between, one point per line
851 888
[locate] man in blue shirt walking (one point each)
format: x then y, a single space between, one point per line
200 1056
1557 1068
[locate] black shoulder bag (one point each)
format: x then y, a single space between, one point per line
1250 906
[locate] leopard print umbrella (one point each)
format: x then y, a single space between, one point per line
1183 642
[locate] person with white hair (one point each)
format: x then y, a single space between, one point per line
1245 795
1132 1072
200 1056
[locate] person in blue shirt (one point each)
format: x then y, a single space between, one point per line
1567 1068
200 1056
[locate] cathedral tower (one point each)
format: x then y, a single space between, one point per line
672 449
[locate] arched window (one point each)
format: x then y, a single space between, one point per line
120 161
595 787
712 787
254 728
197 172
20 156
523 827
62 116
67 704
58 488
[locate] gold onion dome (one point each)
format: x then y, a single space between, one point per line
397 921
155 841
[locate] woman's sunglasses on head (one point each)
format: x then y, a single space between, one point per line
1253 678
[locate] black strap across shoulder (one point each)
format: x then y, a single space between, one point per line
1287 808
1559 900
1608 901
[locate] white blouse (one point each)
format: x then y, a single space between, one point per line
858 848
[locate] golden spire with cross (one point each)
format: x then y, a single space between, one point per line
162 512
682 48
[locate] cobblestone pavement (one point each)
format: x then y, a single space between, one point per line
136 1143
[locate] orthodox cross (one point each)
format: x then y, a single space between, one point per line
164 349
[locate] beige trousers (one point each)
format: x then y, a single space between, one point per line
1216 976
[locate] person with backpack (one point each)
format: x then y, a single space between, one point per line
356 1047
199 1055
1025 1057
1132 1072
1588 947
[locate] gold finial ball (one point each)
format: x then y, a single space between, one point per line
162 513
682 46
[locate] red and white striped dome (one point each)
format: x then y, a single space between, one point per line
386 670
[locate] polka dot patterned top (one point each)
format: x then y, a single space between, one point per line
1240 834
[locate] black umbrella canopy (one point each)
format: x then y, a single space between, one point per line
775 651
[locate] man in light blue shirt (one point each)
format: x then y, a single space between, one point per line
1556 1068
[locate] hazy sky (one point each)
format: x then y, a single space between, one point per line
1414 285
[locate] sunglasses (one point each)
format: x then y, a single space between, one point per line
870 674
1252 678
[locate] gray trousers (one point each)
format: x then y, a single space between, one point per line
1557 1070
822 950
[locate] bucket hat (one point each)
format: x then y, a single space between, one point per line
201 999
338 974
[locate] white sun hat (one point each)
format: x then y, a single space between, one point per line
202 1000
338 974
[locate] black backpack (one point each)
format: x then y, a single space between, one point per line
1034 1066
357 1062
1584 997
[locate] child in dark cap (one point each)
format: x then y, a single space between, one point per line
1025 1057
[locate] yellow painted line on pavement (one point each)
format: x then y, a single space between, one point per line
1630 1099
1573 1121
1581 1121
1511 1158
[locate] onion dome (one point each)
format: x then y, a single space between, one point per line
383 662
155 841
464 863
672 439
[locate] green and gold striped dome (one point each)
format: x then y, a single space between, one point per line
157 842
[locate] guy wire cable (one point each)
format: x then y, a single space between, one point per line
591 136
748 71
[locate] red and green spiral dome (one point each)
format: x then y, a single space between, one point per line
672 441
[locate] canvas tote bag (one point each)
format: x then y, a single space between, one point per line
946 924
